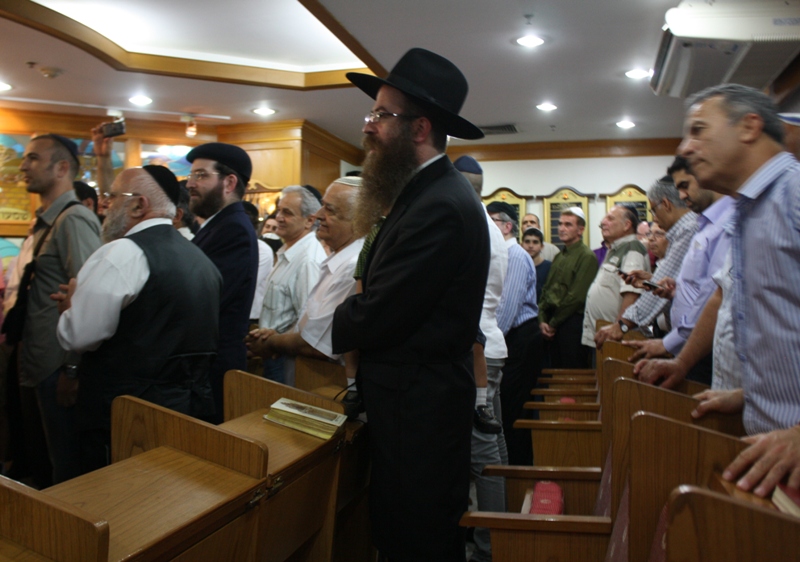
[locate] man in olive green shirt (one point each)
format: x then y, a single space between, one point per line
564 295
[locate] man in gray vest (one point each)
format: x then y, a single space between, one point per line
144 311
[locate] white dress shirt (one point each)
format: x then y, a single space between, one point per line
498 265
336 283
266 258
290 282
110 280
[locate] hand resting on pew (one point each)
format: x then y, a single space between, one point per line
666 373
645 349
771 456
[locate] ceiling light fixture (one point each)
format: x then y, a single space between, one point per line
638 73
4 87
530 41
546 106
625 124
263 111
140 100
191 129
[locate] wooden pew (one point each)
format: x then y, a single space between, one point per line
582 442
579 536
192 495
246 399
34 526
704 526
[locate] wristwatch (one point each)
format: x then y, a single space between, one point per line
623 326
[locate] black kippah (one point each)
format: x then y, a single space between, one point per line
166 179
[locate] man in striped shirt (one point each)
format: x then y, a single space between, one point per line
671 214
517 318
733 141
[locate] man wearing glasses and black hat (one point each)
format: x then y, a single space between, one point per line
219 177
416 321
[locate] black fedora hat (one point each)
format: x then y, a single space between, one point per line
430 80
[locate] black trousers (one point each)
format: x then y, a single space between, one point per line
520 374
566 350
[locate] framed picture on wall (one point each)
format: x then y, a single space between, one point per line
633 196
506 195
562 199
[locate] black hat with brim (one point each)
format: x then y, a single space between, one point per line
431 81
230 155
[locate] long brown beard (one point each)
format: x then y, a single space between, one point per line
386 172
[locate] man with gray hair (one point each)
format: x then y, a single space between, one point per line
133 312
295 273
733 142
311 334
670 213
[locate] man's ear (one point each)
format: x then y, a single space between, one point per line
421 129
751 126
229 184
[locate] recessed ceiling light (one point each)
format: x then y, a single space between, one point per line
546 106
625 124
263 111
638 73
4 86
140 100
530 41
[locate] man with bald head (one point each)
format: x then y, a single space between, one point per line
311 334
143 311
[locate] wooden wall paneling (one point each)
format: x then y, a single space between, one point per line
275 164
25 122
569 149
319 167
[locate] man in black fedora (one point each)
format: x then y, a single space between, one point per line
220 174
417 318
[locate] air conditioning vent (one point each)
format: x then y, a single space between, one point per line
510 129
745 42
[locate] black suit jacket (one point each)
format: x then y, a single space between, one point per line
414 325
229 241
425 276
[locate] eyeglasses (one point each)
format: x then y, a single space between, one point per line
111 196
500 221
653 235
376 116
200 175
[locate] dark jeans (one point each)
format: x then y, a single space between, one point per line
566 350
60 430
520 374
274 369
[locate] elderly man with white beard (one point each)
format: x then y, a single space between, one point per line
143 311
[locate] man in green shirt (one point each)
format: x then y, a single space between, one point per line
564 295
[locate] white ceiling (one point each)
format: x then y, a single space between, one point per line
589 46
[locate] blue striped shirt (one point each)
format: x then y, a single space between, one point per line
766 288
647 307
518 303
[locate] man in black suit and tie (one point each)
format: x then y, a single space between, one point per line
417 318
219 176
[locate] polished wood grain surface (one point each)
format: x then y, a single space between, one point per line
704 526
138 425
35 526
159 502
562 443
579 485
665 454
245 393
287 446
630 396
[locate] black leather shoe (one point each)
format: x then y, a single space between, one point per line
485 422
352 404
